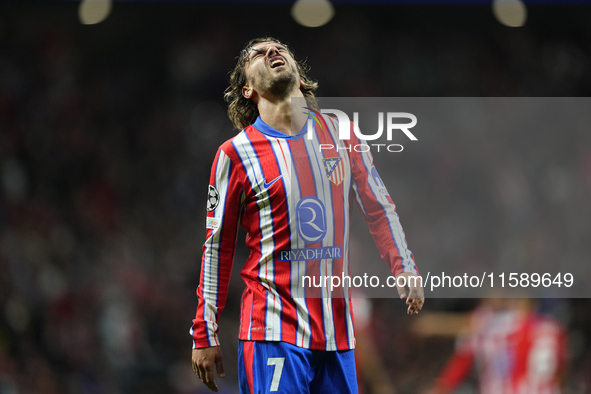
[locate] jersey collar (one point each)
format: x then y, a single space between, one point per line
271 132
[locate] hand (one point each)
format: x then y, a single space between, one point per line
203 361
412 292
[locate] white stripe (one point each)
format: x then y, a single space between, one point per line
250 320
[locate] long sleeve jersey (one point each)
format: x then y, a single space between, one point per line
293 197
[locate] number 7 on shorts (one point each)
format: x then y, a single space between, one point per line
278 363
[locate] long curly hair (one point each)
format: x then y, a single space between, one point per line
242 111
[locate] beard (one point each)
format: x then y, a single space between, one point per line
279 85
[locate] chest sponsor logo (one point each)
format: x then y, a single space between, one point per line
311 220
326 252
335 169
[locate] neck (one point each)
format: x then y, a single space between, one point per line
277 112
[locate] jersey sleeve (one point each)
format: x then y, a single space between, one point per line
379 211
225 196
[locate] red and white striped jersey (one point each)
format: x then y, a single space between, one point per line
515 353
294 200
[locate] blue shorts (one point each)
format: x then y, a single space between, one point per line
279 367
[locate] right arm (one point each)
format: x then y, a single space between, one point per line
225 196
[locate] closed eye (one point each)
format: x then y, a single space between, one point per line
259 52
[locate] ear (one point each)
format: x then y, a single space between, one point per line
247 91
302 84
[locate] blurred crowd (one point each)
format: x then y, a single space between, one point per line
107 134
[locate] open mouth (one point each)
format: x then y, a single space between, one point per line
276 61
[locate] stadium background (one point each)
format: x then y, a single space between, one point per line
107 133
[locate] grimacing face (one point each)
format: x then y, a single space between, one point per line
270 68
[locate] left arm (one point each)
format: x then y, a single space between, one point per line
380 214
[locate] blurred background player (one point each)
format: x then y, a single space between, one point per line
514 349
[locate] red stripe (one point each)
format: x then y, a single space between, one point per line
248 352
245 314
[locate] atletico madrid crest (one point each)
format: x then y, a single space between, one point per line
335 169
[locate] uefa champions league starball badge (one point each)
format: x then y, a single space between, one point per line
213 198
